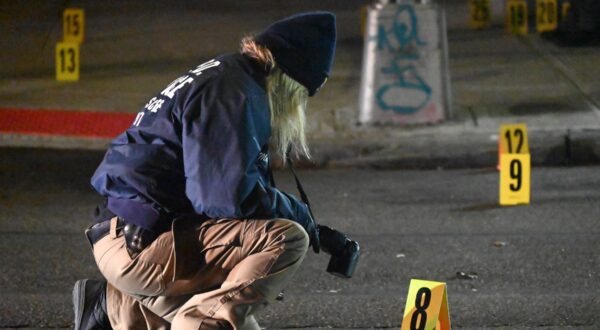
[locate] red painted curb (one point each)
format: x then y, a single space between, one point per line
65 123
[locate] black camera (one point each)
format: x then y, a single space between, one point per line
344 252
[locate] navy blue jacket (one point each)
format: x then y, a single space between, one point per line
199 147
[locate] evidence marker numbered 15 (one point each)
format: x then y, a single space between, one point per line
426 306
515 165
73 25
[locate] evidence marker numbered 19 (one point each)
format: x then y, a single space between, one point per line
516 17
426 306
515 165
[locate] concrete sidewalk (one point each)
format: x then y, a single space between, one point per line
132 50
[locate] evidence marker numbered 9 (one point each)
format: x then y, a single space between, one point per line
515 165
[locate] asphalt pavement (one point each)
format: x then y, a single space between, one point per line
537 266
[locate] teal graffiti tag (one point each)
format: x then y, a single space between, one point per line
403 31
403 40
402 84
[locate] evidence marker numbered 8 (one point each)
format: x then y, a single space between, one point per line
426 306
515 165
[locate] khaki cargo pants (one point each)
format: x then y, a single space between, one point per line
232 268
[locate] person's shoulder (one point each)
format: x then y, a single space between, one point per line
227 83
237 74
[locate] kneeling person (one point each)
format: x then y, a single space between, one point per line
193 232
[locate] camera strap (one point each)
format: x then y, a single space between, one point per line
303 195
298 184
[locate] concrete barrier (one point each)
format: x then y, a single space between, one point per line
405 77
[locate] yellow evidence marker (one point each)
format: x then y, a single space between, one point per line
426 306
480 14
364 12
566 7
67 61
516 17
515 179
73 25
514 164
546 15
513 139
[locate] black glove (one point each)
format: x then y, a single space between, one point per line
137 239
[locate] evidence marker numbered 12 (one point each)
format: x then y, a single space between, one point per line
426 306
515 165
513 139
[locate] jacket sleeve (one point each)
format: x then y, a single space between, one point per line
222 135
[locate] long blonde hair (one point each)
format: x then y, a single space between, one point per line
287 103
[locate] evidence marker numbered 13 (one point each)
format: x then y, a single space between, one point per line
426 306
67 61
515 165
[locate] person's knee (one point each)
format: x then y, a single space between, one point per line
295 239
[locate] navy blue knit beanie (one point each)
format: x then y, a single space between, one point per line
303 46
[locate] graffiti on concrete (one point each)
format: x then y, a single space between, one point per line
401 39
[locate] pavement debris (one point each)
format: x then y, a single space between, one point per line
467 276
499 243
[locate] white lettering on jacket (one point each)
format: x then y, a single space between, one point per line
154 104
138 118
210 64
176 85
157 102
